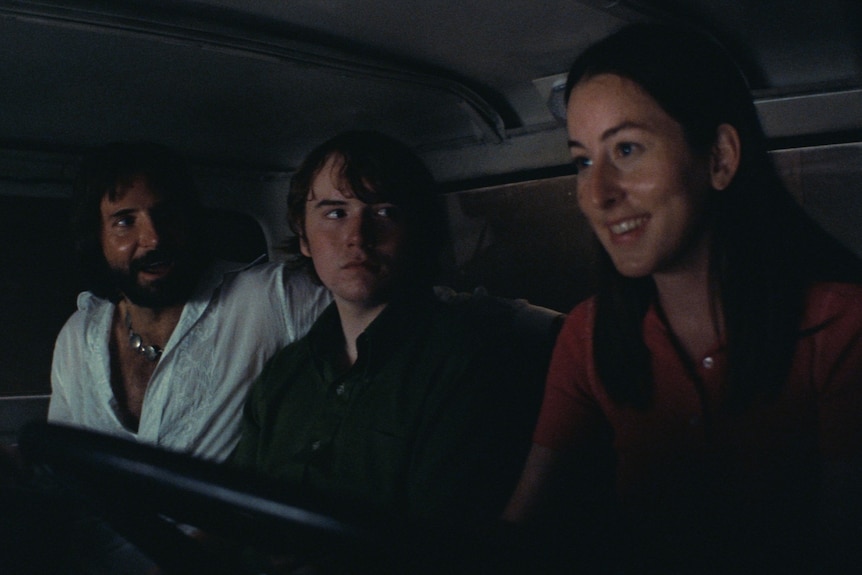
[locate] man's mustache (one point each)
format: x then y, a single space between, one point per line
154 257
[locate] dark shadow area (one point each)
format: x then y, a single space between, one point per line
234 236
142 491
38 288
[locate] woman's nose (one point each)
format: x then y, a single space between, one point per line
599 187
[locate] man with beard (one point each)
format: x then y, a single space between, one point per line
167 340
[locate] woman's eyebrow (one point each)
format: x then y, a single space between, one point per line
612 131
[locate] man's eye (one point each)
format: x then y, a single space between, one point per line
124 222
335 214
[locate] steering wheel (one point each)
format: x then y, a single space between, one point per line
146 492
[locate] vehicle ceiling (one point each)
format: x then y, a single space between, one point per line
253 84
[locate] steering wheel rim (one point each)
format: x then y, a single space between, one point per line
144 484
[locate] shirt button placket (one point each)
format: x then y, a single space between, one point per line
708 363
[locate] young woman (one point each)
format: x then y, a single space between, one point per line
719 366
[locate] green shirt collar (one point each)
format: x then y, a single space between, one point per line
374 345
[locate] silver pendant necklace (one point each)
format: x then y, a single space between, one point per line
151 352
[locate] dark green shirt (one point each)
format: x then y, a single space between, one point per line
432 421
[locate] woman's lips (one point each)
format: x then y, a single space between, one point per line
625 226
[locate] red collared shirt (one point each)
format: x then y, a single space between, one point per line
688 435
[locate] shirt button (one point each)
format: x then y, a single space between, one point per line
708 362
340 389
315 446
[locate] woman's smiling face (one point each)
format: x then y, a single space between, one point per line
640 185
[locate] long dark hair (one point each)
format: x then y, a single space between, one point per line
765 251
376 168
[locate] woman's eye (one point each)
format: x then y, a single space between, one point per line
581 163
625 149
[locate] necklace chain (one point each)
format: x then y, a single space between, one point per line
151 352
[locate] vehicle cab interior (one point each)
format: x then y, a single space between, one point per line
244 89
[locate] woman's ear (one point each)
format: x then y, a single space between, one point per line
725 156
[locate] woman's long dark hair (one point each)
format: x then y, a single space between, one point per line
765 251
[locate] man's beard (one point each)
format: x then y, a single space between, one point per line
173 289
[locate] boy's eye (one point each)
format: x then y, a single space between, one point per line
335 214
389 212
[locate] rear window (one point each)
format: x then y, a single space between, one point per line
524 240
827 181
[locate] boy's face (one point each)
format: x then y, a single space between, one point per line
358 249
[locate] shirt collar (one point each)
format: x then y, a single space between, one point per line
375 345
